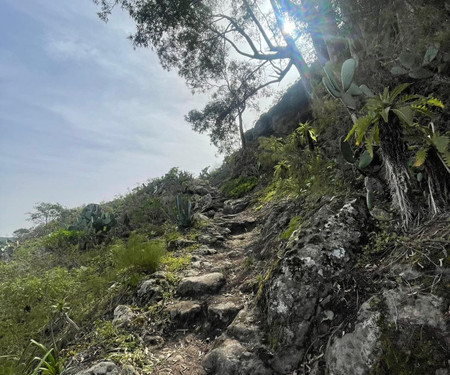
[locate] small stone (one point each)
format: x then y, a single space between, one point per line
151 291
200 285
153 341
235 206
123 316
128 370
102 368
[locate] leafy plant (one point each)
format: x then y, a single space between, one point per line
61 239
350 157
238 187
431 139
381 108
387 113
28 363
139 253
413 65
93 218
306 135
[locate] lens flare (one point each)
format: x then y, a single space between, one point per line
288 26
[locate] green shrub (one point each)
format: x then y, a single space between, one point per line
61 239
139 253
238 187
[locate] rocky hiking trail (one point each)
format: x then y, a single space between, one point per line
249 303
206 299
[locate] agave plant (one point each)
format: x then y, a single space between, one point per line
386 114
184 216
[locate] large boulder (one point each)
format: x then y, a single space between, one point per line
306 282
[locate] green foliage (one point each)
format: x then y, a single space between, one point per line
45 362
61 240
45 212
138 253
349 156
293 225
94 218
296 171
414 66
380 108
426 138
344 90
238 187
172 263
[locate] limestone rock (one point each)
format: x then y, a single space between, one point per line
244 327
222 314
355 352
152 290
123 316
128 370
409 305
184 313
231 358
200 285
153 341
235 206
102 368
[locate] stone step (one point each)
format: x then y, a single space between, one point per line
197 286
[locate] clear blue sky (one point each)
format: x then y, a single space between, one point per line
83 116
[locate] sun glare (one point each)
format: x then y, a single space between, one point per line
288 26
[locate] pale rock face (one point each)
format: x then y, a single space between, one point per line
123 316
355 352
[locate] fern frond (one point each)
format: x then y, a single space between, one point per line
398 90
420 157
360 127
433 102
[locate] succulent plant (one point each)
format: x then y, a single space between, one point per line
364 160
93 218
414 65
344 90
184 217
369 200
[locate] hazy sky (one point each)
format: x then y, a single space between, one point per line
83 116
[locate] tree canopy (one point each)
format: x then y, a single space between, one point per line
237 48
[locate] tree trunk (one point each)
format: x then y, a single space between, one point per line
241 130
299 63
336 45
393 150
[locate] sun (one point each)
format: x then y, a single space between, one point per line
288 26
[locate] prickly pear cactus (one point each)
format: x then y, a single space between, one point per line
345 90
415 66
93 218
